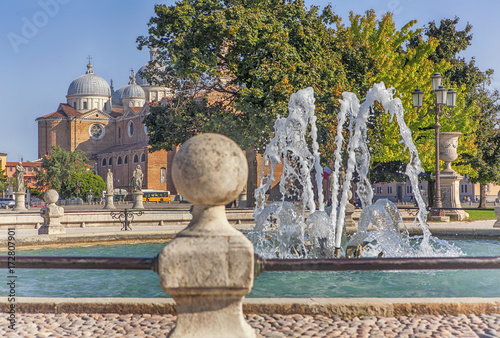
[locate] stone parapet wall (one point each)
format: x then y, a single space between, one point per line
102 218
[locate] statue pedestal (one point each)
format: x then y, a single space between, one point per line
137 198
51 215
20 201
450 194
109 203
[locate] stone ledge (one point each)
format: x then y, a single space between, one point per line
68 240
343 307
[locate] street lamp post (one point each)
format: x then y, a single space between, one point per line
443 97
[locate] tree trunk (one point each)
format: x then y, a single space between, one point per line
482 196
431 191
252 176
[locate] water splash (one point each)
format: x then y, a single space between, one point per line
281 227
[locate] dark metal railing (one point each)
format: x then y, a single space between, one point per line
376 264
262 265
125 217
72 262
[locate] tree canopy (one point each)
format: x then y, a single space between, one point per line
3 181
61 168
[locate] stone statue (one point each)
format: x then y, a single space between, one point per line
137 177
109 183
20 177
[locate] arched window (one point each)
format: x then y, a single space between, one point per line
136 159
119 160
130 128
110 161
163 175
103 162
143 158
126 159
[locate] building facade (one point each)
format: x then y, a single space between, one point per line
107 125
402 192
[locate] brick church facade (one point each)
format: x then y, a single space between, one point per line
107 125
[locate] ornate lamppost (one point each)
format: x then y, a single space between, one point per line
444 97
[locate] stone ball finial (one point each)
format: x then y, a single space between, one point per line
51 196
210 169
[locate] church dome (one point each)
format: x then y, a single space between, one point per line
139 79
132 90
89 84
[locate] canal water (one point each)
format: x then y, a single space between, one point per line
145 284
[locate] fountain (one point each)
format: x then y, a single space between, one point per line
283 228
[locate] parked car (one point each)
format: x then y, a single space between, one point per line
36 202
9 202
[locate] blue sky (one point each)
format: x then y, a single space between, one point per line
44 46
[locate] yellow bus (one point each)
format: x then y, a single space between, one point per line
156 196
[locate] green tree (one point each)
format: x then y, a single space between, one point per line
3 181
486 161
255 53
405 60
58 168
374 51
89 182
475 158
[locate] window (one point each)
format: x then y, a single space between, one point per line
463 188
126 159
409 189
110 162
143 158
103 162
389 190
97 131
163 175
130 128
379 190
119 160
85 105
119 132
136 159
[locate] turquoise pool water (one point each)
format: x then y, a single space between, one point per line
117 283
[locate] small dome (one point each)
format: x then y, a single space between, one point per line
133 90
89 84
139 79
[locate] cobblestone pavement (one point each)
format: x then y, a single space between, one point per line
131 325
